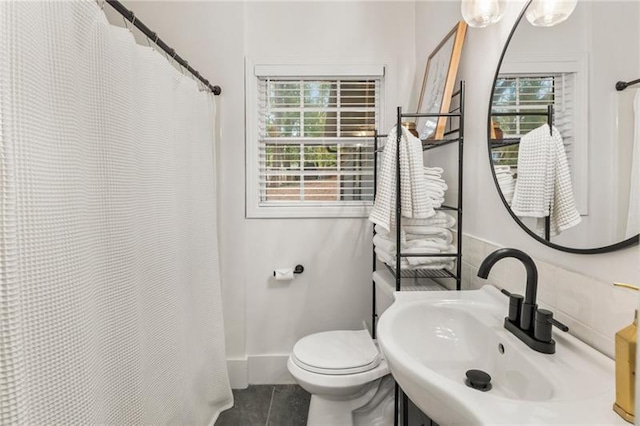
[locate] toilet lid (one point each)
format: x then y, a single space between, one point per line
337 352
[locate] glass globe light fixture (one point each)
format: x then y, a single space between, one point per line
547 13
482 13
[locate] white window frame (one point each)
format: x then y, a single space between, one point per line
578 64
255 69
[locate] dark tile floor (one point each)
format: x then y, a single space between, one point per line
267 405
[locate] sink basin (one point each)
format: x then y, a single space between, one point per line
431 339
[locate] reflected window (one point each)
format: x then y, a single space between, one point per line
516 93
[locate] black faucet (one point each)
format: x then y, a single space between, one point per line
525 320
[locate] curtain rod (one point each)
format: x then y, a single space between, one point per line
131 17
621 85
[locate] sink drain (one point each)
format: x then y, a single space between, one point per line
478 379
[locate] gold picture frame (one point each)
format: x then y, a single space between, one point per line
438 83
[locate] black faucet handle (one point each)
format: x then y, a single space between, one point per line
543 323
515 307
542 327
558 324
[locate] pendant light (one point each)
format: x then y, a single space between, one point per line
482 13
547 13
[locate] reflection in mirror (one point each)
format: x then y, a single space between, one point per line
564 142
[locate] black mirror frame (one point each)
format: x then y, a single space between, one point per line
606 249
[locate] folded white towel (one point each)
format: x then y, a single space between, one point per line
432 263
506 182
424 230
429 233
508 195
503 171
543 187
435 193
437 202
427 243
384 243
413 195
433 170
415 261
502 168
435 185
508 188
434 178
440 219
433 232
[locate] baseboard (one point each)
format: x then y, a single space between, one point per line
269 370
238 377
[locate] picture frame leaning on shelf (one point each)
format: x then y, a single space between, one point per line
438 83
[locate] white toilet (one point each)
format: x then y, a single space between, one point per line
347 376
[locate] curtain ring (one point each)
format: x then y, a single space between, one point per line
155 42
133 21
173 59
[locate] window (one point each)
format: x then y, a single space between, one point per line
533 93
312 144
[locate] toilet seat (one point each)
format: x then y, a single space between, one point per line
340 352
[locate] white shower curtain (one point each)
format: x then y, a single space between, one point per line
110 302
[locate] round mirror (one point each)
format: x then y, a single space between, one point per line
564 143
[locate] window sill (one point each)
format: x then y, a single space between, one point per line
308 212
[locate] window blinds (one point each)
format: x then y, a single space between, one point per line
315 140
533 93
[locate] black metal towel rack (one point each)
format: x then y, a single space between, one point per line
549 115
452 136
152 36
621 85
455 135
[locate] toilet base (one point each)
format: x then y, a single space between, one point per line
373 407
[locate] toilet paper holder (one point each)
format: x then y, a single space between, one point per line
297 270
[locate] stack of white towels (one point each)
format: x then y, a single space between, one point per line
436 186
506 182
431 235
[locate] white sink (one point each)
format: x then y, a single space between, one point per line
430 340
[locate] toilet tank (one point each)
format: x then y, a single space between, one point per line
385 287
386 284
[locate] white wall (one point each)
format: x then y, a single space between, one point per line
264 318
334 292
